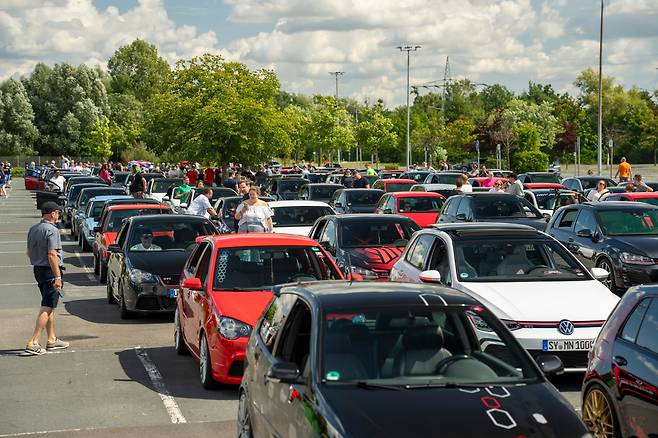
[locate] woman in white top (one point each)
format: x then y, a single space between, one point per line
254 215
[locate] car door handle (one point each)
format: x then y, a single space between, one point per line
620 360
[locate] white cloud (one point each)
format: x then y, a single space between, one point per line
631 7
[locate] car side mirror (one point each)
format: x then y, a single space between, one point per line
550 364
599 273
431 276
192 283
547 217
166 198
283 372
353 276
114 248
98 229
585 233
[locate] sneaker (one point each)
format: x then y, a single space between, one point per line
34 349
57 344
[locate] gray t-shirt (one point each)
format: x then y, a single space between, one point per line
516 188
42 238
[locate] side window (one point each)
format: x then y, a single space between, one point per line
294 344
382 202
451 206
647 336
194 258
121 237
440 261
329 234
464 207
586 221
390 204
632 324
420 252
378 185
317 230
528 196
274 318
204 265
568 219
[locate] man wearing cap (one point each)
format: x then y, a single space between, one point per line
146 243
44 248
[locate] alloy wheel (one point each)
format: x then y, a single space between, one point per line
244 422
598 415
205 366
179 344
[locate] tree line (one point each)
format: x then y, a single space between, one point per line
215 111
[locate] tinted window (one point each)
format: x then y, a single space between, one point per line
364 233
568 219
287 185
544 178
632 325
399 187
586 221
162 185
329 234
648 335
571 184
322 192
502 206
365 197
445 178
166 235
298 216
274 318
546 201
629 222
420 204
118 216
96 209
418 255
450 208
464 207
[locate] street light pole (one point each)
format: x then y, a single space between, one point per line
408 49
600 130
336 74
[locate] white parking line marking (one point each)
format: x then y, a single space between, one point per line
90 276
34 283
12 252
22 353
15 266
44 432
169 402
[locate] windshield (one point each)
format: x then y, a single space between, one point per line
628 222
117 217
288 185
546 201
298 216
418 346
120 178
322 192
416 176
423 204
162 185
372 233
399 187
447 178
507 259
316 177
545 178
217 192
365 197
163 235
503 206
261 268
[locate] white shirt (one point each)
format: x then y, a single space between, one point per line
60 181
199 206
595 196
516 188
467 188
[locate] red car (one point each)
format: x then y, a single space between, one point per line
394 184
225 286
109 225
421 207
530 186
646 197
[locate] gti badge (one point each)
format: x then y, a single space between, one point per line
565 327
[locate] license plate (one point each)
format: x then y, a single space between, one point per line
173 293
567 345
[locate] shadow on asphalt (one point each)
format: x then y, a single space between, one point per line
180 373
78 279
98 311
78 262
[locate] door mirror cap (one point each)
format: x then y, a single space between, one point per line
550 364
192 283
431 276
585 233
114 248
283 372
547 216
600 274
166 198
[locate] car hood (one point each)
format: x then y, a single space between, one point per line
538 224
423 219
158 262
299 231
378 259
245 306
647 245
587 300
534 410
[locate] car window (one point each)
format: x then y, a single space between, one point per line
571 184
193 261
368 234
165 235
424 204
502 206
630 222
647 337
298 216
294 344
121 237
381 204
451 205
632 324
586 221
420 252
329 234
568 219
440 261
317 230
464 208
274 318
204 266
378 185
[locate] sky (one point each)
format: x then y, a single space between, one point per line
510 42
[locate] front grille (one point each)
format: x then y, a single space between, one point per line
570 359
237 369
170 279
154 302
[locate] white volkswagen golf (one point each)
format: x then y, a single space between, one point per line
546 297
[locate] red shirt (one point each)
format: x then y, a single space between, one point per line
208 176
192 175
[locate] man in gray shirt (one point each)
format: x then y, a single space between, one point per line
44 248
515 186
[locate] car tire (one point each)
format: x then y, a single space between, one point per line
124 312
110 294
97 268
179 338
599 413
610 282
205 364
102 271
244 420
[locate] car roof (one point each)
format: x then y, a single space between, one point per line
617 205
590 177
358 293
109 197
414 195
261 239
436 186
486 228
398 181
547 190
348 190
137 207
538 173
297 203
172 218
369 217
485 194
638 195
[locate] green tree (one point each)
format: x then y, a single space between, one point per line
457 139
98 141
137 69
298 121
331 126
494 97
17 130
529 157
126 122
375 131
539 115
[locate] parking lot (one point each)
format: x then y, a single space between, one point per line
119 377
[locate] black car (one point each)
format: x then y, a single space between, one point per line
148 176
80 204
342 359
442 178
318 192
355 200
620 395
316 177
225 208
491 207
72 193
417 175
145 263
119 178
584 183
539 177
285 189
187 198
52 192
364 244
620 237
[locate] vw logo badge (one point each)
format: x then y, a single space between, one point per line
565 327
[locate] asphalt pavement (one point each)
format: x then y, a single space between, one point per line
118 378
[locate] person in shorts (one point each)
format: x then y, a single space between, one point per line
44 249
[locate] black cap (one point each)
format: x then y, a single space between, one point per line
49 207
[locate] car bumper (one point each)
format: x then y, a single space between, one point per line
574 357
631 275
227 358
150 298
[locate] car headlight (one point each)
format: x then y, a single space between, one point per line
512 325
636 259
232 328
363 271
138 276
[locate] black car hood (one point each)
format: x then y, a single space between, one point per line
158 262
538 224
535 410
647 245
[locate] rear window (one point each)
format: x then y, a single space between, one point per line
287 185
545 179
115 221
399 187
323 191
420 204
369 233
298 216
503 206
363 198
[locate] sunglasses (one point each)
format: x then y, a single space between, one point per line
147 236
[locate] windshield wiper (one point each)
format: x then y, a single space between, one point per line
449 385
366 385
